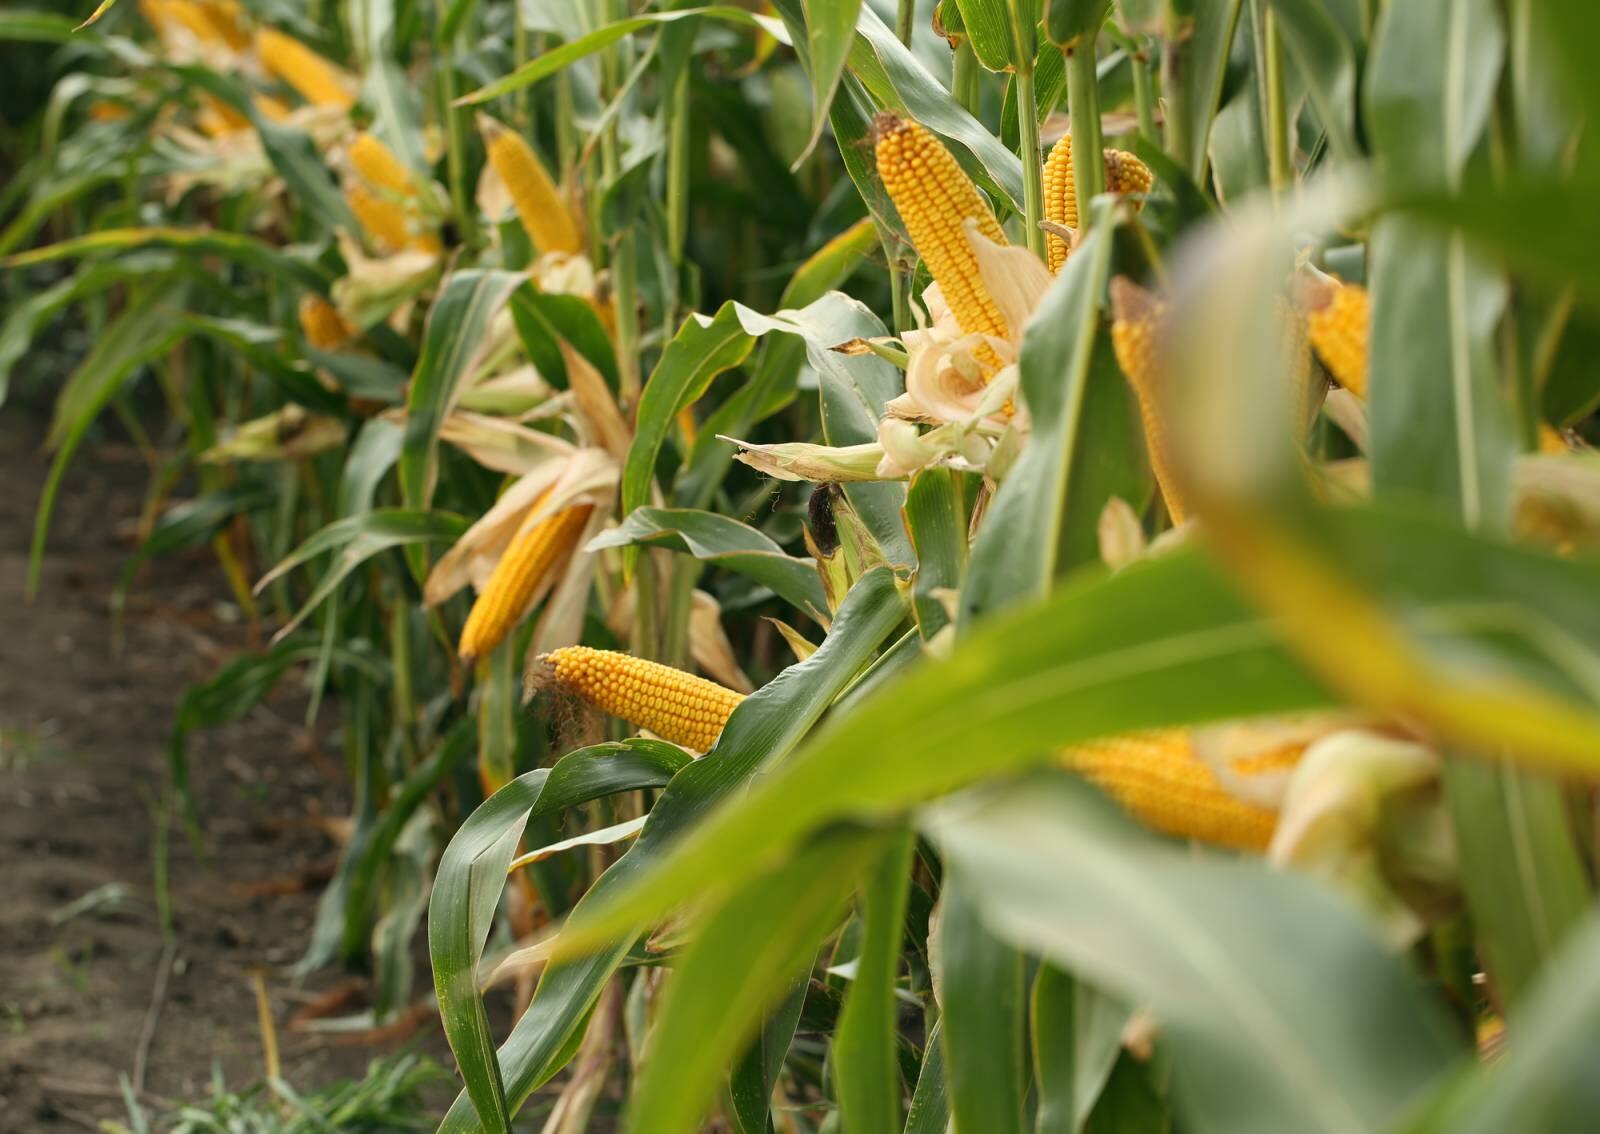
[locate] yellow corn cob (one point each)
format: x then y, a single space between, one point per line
272 109
1158 778
675 705
936 199
1125 173
379 167
1135 327
384 221
321 323
217 118
104 110
544 214
533 551
207 21
312 77
1337 317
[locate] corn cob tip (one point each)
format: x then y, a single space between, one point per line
884 123
1314 293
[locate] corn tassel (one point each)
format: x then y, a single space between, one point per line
1157 777
544 214
1136 322
937 200
1337 319
1125 173
312 77
675 705
322 325
532 552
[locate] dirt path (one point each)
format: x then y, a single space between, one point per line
83 734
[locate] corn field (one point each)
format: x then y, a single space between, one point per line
979 566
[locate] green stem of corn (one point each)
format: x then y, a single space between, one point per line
1144 97
678 169
1174 90
1083 103
1032 159
904 16
455 148
964 78
1279 168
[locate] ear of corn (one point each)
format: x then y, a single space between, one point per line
311 76
272 109
384 221
936 200
540 206
1337 320
675 705
378 166
217 118
1135 329
532 552
321 323
1157 777
1125 173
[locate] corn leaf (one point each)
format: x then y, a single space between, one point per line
984 1011
1232 957
727 543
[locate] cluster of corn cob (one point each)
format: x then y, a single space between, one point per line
1337 318
209 22
1136 321
1125 174
540 206
1161 781
538 545
675 705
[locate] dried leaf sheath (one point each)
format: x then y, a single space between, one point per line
534 550
1160 780
675 705
937 200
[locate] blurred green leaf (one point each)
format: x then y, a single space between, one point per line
1066 20
727 543
1327 62
984 1012
1236 960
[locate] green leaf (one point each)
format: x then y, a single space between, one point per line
1257 977
760 733
1162 642
830 30
865 1068
1544 1080
984 1012
728 975
702 349
1014 556
143 331
930 1105
557 58
472 875
936 519
1053 1015
358 538
987 25
192 241
452 340
1202 47
544 319
726 543
1327 62
1066 20
923 97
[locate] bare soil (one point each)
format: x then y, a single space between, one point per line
83 736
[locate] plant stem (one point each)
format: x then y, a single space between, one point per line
455 148
1174 90
1144 97
964 78
1279 167
678 169
905 16
1032 159
1083 103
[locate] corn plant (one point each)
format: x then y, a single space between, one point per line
1157 431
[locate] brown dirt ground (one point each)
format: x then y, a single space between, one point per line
83 733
